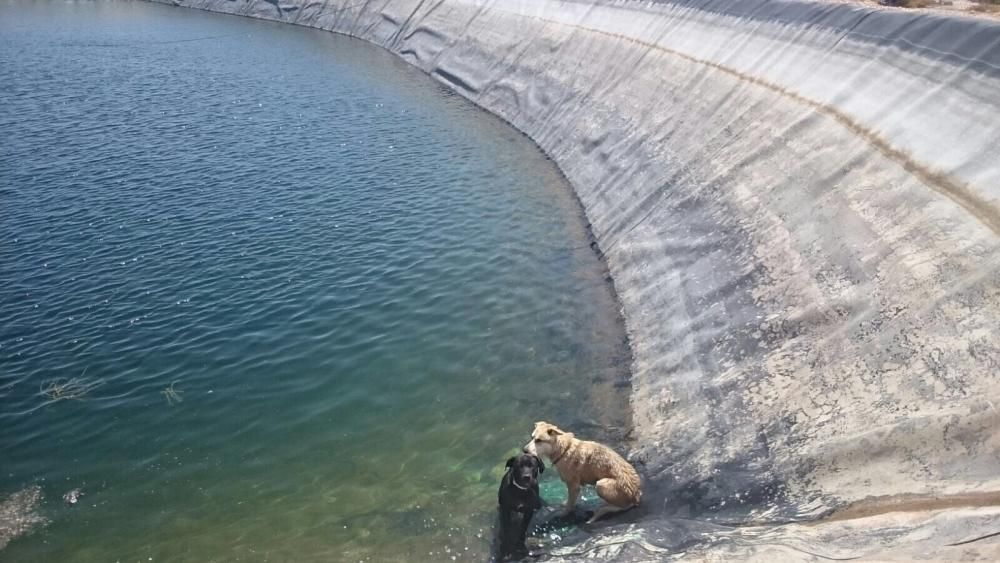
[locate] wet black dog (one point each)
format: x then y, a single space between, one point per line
518 500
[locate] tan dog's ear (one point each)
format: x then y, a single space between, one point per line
555 431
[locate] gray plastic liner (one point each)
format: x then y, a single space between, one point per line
799 204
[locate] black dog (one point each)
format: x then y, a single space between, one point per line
518 500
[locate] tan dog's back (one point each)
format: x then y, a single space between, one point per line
588 462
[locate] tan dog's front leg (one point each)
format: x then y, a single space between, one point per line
572 494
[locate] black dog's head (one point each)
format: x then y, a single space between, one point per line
525 469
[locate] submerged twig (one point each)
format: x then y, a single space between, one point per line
173 395
61 389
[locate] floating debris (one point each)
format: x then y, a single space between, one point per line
173 395
77 388
73 496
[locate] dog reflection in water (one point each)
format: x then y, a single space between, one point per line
518 499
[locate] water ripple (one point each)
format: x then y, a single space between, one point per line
361 291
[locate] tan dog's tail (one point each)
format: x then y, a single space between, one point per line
630 483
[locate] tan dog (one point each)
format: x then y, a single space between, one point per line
580 462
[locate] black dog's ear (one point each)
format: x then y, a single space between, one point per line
510 462
541 466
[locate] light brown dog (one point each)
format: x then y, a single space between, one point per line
580 462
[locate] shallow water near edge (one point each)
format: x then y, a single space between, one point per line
318 298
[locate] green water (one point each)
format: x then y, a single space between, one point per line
363 289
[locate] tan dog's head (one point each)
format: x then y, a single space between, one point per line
543 440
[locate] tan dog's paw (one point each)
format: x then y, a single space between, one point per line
606 510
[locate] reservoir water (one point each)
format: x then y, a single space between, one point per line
270 294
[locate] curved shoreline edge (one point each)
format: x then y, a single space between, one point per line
799 204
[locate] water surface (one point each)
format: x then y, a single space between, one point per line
362 289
